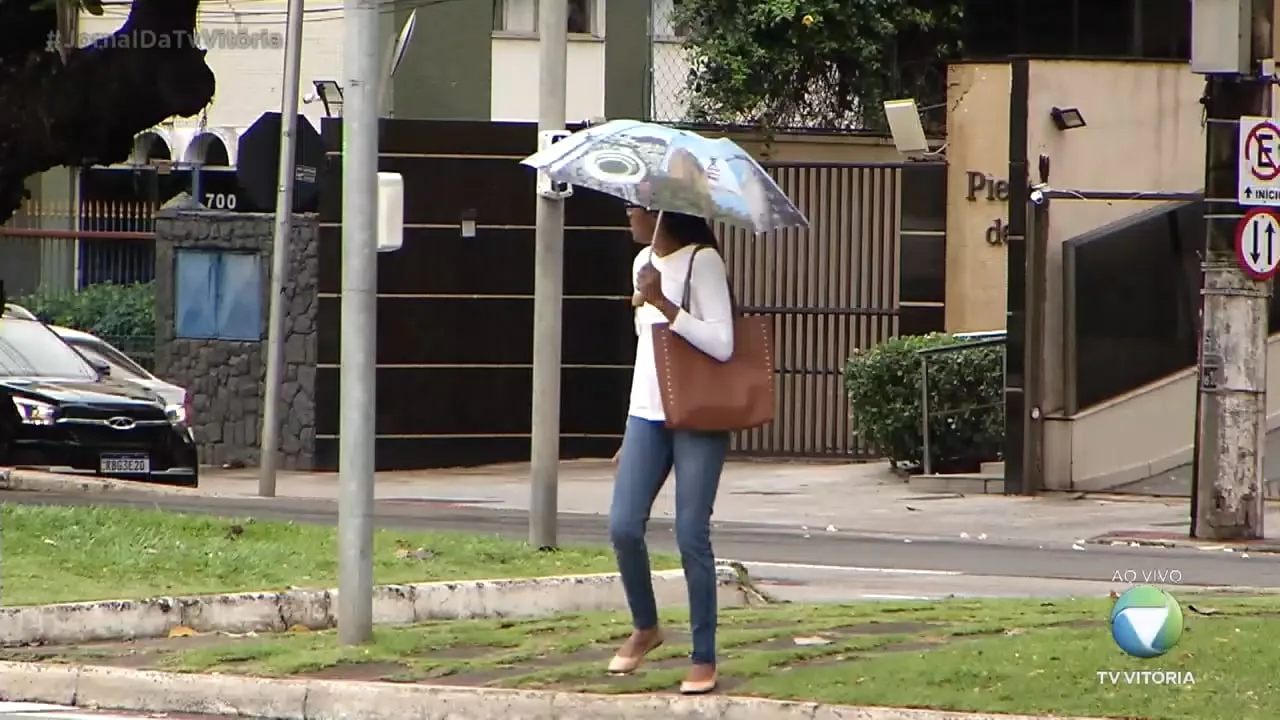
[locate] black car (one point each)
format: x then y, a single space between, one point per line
61 412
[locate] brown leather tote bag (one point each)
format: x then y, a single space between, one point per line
701 393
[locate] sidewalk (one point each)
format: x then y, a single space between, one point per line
816 498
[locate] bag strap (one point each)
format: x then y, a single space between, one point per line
688 282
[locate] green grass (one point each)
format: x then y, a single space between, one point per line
63 554
1011 656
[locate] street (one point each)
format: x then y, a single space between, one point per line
809 564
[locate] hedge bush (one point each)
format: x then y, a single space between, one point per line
966 388
106 310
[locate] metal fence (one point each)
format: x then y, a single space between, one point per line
53 249
831 289
669 94
944 410
59 247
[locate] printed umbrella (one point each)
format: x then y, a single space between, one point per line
671 170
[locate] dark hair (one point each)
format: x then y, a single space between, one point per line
688 229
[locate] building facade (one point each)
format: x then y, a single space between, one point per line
472 60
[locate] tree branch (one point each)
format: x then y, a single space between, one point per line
88 110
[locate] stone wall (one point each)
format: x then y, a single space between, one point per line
226 380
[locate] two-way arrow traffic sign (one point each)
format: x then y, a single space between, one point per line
1258 243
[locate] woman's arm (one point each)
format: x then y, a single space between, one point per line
712 330
637 299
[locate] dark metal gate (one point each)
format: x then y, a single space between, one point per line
842 285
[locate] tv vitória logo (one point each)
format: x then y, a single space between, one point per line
1146 621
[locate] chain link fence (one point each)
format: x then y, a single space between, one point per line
669 95
668 66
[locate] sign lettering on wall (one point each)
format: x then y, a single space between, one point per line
989 188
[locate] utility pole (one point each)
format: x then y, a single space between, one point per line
548 286
1231 422
359 320
270 440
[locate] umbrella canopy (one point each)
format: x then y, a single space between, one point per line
672 170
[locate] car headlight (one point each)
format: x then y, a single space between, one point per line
177 414
34 412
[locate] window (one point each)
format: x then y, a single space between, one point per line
29 349
664 25
1154 29
521 16
1105 28
1163 25
121 366
218 295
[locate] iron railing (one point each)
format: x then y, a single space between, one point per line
56 247
927 413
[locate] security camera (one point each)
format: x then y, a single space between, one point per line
309 98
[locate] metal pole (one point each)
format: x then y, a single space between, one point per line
270 440
1036 350
359 318
1233 356
927 461
197 182
548 287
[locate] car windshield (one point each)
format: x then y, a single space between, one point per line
29 349
121 366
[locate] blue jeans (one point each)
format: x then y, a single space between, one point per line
649 451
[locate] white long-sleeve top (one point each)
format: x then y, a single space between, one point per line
707 325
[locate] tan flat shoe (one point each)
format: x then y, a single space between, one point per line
700 687
625 665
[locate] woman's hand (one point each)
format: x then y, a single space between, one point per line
649 286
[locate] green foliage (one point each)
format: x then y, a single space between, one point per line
106 310
814 62
966 407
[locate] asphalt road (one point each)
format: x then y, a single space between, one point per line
762 543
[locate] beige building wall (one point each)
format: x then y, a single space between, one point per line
1152 142
250 77
515 94
977 194
1143 135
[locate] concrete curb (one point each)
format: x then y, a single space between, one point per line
1167 540
270 699
70 623
37 481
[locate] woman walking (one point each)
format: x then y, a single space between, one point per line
682 255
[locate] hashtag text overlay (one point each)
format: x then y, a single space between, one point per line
203 39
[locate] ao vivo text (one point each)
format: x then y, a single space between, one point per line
1146 677
1158 576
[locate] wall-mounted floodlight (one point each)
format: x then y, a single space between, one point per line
1067 118
905 125
330 93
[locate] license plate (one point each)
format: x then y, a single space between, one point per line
126 465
